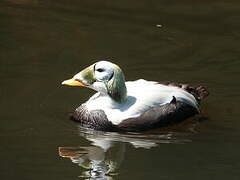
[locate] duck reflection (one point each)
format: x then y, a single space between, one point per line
102 159
96 162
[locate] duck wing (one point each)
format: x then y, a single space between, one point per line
152 94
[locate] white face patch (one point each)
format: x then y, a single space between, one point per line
99 86
103 71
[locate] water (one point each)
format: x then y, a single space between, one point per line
45 42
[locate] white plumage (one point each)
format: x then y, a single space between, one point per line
141 96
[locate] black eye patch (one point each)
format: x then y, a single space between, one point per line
100 70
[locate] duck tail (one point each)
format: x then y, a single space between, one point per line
199 92
202 91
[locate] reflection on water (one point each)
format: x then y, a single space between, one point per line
96 162
102 159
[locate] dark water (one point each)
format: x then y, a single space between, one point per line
44 42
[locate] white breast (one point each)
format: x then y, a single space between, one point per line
142 95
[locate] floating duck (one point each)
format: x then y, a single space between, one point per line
133 105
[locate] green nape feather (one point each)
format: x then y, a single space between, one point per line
116 86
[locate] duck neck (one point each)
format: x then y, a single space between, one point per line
119 95
116 87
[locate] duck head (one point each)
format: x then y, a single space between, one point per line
104 77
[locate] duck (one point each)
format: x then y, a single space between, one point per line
132 106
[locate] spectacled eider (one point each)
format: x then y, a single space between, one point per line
132 105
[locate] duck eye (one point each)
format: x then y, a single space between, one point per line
100 70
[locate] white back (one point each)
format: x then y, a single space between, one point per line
142 95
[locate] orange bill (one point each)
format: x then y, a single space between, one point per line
73 82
